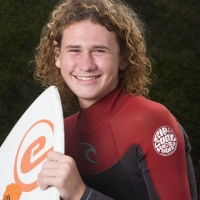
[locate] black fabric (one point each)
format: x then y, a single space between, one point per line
115 178
124 176
191 176
135 164
91 194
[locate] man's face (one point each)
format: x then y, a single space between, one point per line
89 59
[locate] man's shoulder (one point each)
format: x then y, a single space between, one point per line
146 105
144 110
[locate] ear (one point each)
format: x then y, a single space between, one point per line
56 52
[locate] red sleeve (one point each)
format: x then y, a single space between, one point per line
165 156
155 131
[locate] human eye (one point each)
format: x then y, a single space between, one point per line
74 50
99 50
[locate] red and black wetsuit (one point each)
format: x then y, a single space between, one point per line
129 148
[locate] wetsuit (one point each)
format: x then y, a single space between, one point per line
128 147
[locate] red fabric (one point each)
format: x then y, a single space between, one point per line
119 121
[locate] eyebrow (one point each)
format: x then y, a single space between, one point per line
72 46
94 46
100 47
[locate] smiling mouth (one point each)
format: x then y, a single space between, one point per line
87 78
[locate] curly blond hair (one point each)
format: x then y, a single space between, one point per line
116 16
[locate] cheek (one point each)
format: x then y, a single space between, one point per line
67 65
114 68
110 65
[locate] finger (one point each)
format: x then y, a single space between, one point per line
57 157
63 172
50 165
46 182
47 177
53 169
49 173
47 165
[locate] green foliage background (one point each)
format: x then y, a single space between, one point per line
173 39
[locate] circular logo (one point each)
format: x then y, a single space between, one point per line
32 151
164 141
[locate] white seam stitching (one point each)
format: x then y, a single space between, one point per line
89 195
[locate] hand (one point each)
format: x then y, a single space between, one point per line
61 172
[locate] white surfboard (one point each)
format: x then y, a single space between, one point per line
38 131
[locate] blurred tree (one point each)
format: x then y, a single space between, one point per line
20 24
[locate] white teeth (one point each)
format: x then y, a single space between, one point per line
86 78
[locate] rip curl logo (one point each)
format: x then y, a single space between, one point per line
87 151
32 151
165 141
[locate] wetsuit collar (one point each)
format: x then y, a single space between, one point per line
100 112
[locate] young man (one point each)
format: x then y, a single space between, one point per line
119 145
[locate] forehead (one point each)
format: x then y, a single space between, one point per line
87 31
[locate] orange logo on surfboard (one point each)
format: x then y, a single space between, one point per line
13 192
32 150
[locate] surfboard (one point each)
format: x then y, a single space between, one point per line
38 131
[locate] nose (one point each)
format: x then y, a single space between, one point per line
86 62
